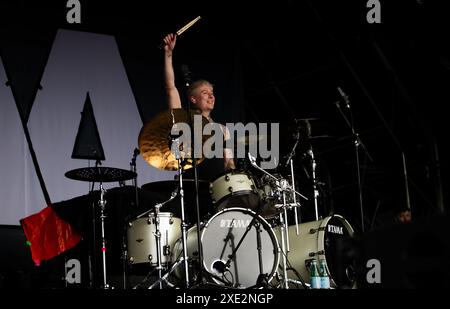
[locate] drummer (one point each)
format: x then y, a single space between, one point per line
201 97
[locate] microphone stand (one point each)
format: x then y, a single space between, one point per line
232 256
124 230
357 143
133 169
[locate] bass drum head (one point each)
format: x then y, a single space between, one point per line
222 234
322 239
332 241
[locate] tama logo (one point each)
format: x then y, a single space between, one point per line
234 223
335 229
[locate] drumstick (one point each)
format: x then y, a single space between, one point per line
188 25
183 29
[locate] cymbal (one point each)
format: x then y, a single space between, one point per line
296 120
154 140
319 137
100 174
170 185
250 139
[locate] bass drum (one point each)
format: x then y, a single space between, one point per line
322 239
220 235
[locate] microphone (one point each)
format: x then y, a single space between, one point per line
345 97
219 266
186 73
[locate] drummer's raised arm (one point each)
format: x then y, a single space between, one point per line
173 96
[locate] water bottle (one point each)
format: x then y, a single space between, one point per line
314 275
324 278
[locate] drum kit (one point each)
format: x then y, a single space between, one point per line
246 242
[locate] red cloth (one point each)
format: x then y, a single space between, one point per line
48 234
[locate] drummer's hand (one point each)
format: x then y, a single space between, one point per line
229 165
170 40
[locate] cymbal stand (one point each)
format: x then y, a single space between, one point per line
175 146
284 241
283 186
102 204
194 140
288 187
159 205
184 225
158 244
316 191
294 196
290 162
157 234
166 275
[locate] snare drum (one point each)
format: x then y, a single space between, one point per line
141 238
234 189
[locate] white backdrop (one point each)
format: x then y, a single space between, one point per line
79 62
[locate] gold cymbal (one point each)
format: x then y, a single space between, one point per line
154 140
250 139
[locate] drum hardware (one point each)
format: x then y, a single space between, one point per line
163 150
312 231
124 256
102 204
156 220
315 190
303 130
167 274
312 254
258 247
136 152
175 141
101 175
283 186
192 247
232 257
294 196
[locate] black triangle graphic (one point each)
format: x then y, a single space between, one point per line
87 143
25 52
